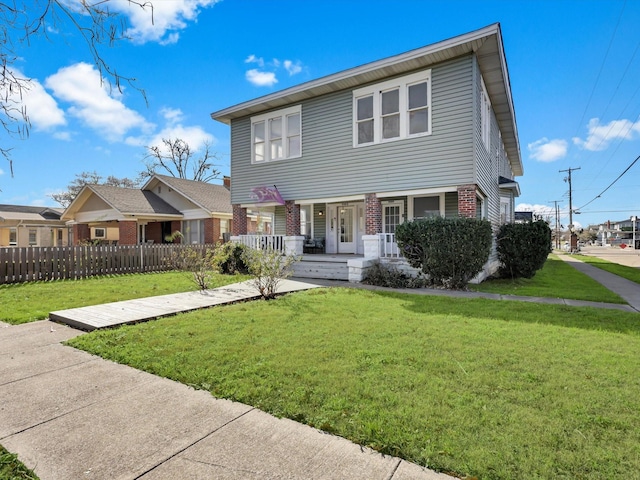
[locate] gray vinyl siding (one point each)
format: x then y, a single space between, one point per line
319 222
280 221
487 162
331 167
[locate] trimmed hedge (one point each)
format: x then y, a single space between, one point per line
523 248
449 251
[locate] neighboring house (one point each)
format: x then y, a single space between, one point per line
620 232
200 211
23 226
352 155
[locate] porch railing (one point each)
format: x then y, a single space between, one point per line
388 246
263 242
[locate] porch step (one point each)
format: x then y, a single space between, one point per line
321 267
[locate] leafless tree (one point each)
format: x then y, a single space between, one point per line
176 158
89 178
23 20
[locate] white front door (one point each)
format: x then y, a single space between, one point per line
347 229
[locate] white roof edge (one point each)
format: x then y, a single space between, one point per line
222 115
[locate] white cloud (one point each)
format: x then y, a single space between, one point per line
253 59
600 136
1 172
41 108
172 115
261 79
292 68
545 150
66 136
93 103
162 22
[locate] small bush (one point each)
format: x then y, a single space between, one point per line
449 251
228 258
385 275
196 262
523 248
268 268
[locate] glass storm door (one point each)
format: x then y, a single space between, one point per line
347 232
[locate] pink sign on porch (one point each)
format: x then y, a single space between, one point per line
267 194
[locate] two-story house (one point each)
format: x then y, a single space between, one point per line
351 155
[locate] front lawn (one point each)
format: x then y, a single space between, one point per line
491 389
557 280
623 271
27 302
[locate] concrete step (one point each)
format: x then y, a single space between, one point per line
321 269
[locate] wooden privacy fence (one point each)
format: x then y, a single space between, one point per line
57 263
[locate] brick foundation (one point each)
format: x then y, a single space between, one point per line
372 214
467 201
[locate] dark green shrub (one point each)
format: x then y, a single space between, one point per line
386 275
523 248
229 258
449 251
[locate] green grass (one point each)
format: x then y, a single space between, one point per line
493 389
27 302
557 280
12 469
624 271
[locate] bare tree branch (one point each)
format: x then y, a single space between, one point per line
176 159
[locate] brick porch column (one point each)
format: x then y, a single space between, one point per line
292 211
239 220
372 214
128 233
176 226
467 201
81 232
208 231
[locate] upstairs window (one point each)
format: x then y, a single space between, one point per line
392 110
485 117
276 135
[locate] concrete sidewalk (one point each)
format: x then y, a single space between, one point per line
629 291
71 415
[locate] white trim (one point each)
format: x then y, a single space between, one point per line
350 198
266 119
485 115
392 203
375 91
419 192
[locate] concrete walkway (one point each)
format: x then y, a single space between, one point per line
71 415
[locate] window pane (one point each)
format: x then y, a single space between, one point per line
258 152
293 124
275 128
276 149
365 108
418 121
258 132
391 126
294 146
418 96
390 102
425 207
365 132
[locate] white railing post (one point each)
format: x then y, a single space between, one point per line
371 246
293 245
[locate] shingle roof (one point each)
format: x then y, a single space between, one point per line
210 197
23 212
133 201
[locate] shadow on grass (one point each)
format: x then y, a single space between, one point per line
586 318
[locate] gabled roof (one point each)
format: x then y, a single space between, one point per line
126 201
486 43
211 198
29 213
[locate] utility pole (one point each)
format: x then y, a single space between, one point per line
556 211
574 241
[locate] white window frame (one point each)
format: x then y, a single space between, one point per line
13 231
485 116
376 91
267 119
505 210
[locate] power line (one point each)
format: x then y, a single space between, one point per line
610 185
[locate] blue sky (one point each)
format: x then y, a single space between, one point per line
574 69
